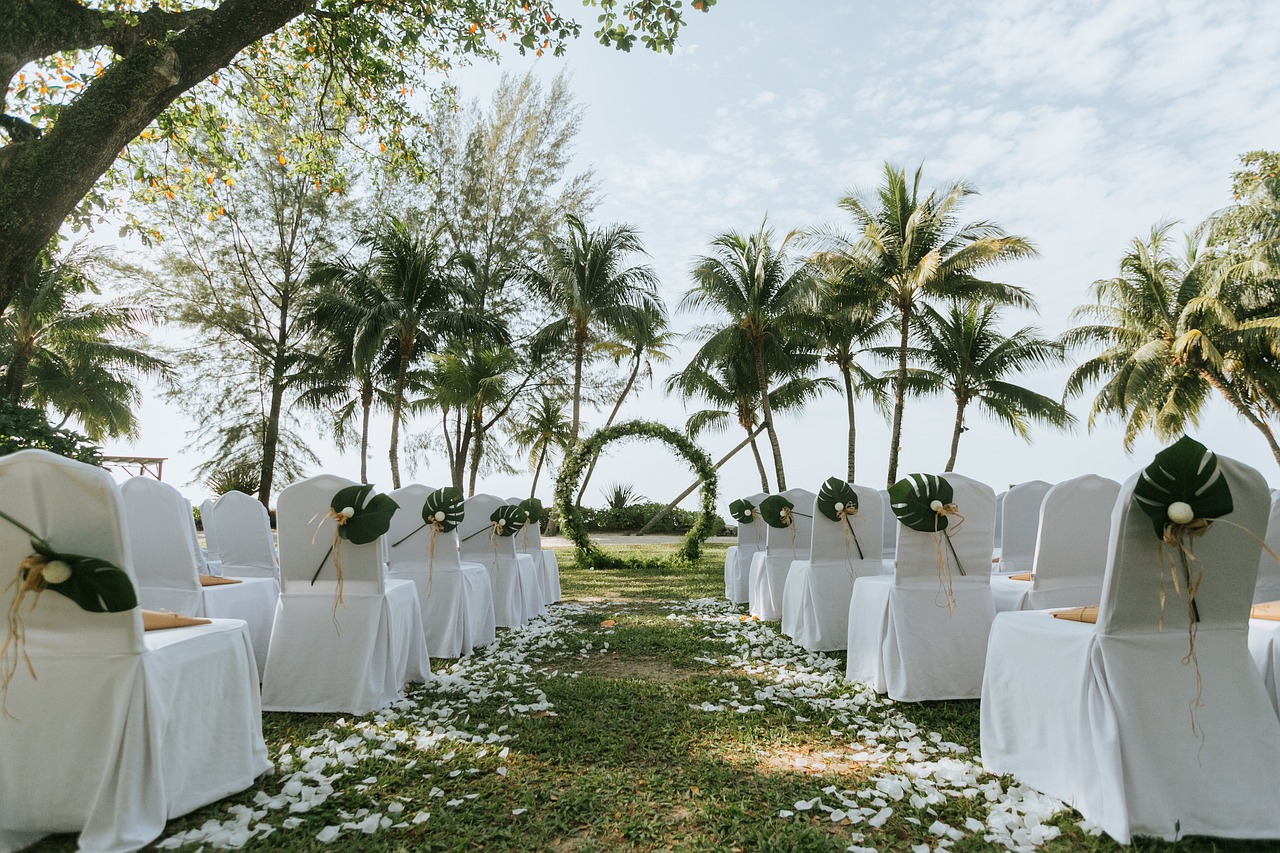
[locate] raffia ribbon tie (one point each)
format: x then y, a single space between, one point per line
755 528
30 579
1180 537
336 549
944 566
846 514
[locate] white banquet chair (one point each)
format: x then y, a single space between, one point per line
212 556
1020 520
815 600
998 537
121 730
1115 719
782 547
904 639
529 541
517 591
166 557
245 543
889 543
456 599
1071 549
737 559
1268 586
327 656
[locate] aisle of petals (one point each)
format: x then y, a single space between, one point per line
430 732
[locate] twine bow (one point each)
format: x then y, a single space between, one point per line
846 514
30 579
436 527
944 567
335 548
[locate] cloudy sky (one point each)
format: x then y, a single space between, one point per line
1081 123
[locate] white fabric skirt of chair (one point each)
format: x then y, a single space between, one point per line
1264 648
457 607
550 576
783 546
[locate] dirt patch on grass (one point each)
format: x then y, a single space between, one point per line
640 669
810 762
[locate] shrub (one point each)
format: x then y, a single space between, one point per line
22 427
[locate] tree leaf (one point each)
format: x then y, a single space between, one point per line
911 499
512 517
1185 471
532 510
448 501
742 510
95 584
771 510
370 520
836 491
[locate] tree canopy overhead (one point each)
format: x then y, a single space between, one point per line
83 80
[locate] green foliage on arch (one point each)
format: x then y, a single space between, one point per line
582 455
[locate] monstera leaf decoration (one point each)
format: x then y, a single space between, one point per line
366 518
507 520
916 500
533 510
743 511
444 508
776 511
94 584
1183 483
836 498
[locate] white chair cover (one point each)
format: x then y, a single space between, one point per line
354 657
247 548
456 599
1020 519
517 591
1264 634
1268 587
889 546
1071 548
815 600
206 521
166 556
769 568
737 560
903 638
1102 716
115 736
529 541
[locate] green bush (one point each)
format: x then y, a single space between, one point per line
22 428
630 519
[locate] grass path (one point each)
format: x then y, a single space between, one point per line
646 715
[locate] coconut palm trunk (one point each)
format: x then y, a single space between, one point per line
397 408
366 406
852 439
762 377
955 434
1224 388
899 396
631 381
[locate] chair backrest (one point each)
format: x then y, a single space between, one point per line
77 509
1075 528
162 541
481 547
1020 521
917 557
211 548
793 541
1136 566
1269 565
752 536
837 542
529 539
999 531
245 542
889 543
306 536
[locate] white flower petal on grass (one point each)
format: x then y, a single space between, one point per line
328 834
518 812
420 817
785 813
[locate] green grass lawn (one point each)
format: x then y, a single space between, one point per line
633 718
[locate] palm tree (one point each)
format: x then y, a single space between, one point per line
63 352
849 321
405 300
1174 329
963 351
544 431
475 385
764 295
912 249
583 279
643 340
729 385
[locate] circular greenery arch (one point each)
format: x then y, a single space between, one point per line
578 459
